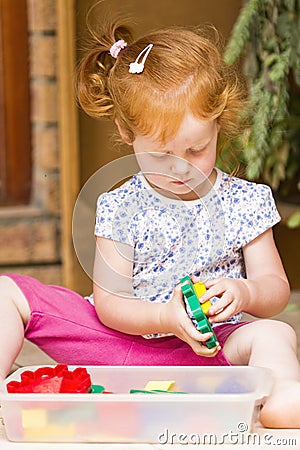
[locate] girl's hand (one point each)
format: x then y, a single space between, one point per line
174 319
234 297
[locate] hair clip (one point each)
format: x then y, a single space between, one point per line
117 47
137 67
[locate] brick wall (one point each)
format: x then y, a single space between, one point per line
30 235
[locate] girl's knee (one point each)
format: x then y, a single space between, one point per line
8 288
273 329
6 285
11 293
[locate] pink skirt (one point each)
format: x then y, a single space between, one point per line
66 327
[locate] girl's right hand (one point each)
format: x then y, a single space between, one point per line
174 319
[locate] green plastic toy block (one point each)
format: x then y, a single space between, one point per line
194 306
97 389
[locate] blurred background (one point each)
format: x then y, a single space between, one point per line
49 148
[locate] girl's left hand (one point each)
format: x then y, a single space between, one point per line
233 297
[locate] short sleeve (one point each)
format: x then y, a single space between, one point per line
111 218
258 213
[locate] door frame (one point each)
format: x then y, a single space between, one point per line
68 138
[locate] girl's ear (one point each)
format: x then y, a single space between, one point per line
122 133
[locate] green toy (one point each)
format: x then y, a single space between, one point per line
154 391
195 311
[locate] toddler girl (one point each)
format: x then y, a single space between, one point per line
173 100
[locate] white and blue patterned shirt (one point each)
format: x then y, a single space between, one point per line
175 238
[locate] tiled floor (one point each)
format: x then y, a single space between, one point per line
290 439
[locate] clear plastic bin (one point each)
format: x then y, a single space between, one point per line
217 401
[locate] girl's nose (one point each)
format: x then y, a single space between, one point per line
179 166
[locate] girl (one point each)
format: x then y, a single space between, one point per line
172 99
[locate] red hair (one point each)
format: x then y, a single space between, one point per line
184 72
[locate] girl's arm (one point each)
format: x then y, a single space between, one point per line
113 293
264 293
267 282
117 308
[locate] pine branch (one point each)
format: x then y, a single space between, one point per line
241 30
267 33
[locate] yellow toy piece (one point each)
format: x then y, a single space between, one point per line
34 418
200 289
36 425
159 385
51 431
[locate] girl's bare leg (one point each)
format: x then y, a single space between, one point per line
15 313
271 344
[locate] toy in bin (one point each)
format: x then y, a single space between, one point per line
58 379
197 312
61 380
144 402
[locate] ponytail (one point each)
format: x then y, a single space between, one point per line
94 70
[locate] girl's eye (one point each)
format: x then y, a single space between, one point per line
159 155
197 150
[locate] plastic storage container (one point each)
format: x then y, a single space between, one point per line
216 401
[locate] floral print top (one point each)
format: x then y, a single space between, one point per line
175 238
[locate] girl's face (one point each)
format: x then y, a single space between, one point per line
184 166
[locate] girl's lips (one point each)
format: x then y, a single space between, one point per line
180 183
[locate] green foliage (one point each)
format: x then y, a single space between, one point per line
294 220
266 39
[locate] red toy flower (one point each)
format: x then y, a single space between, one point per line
58 379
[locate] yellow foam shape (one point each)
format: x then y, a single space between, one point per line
159 385
50 431
205 307
34 418
200 289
